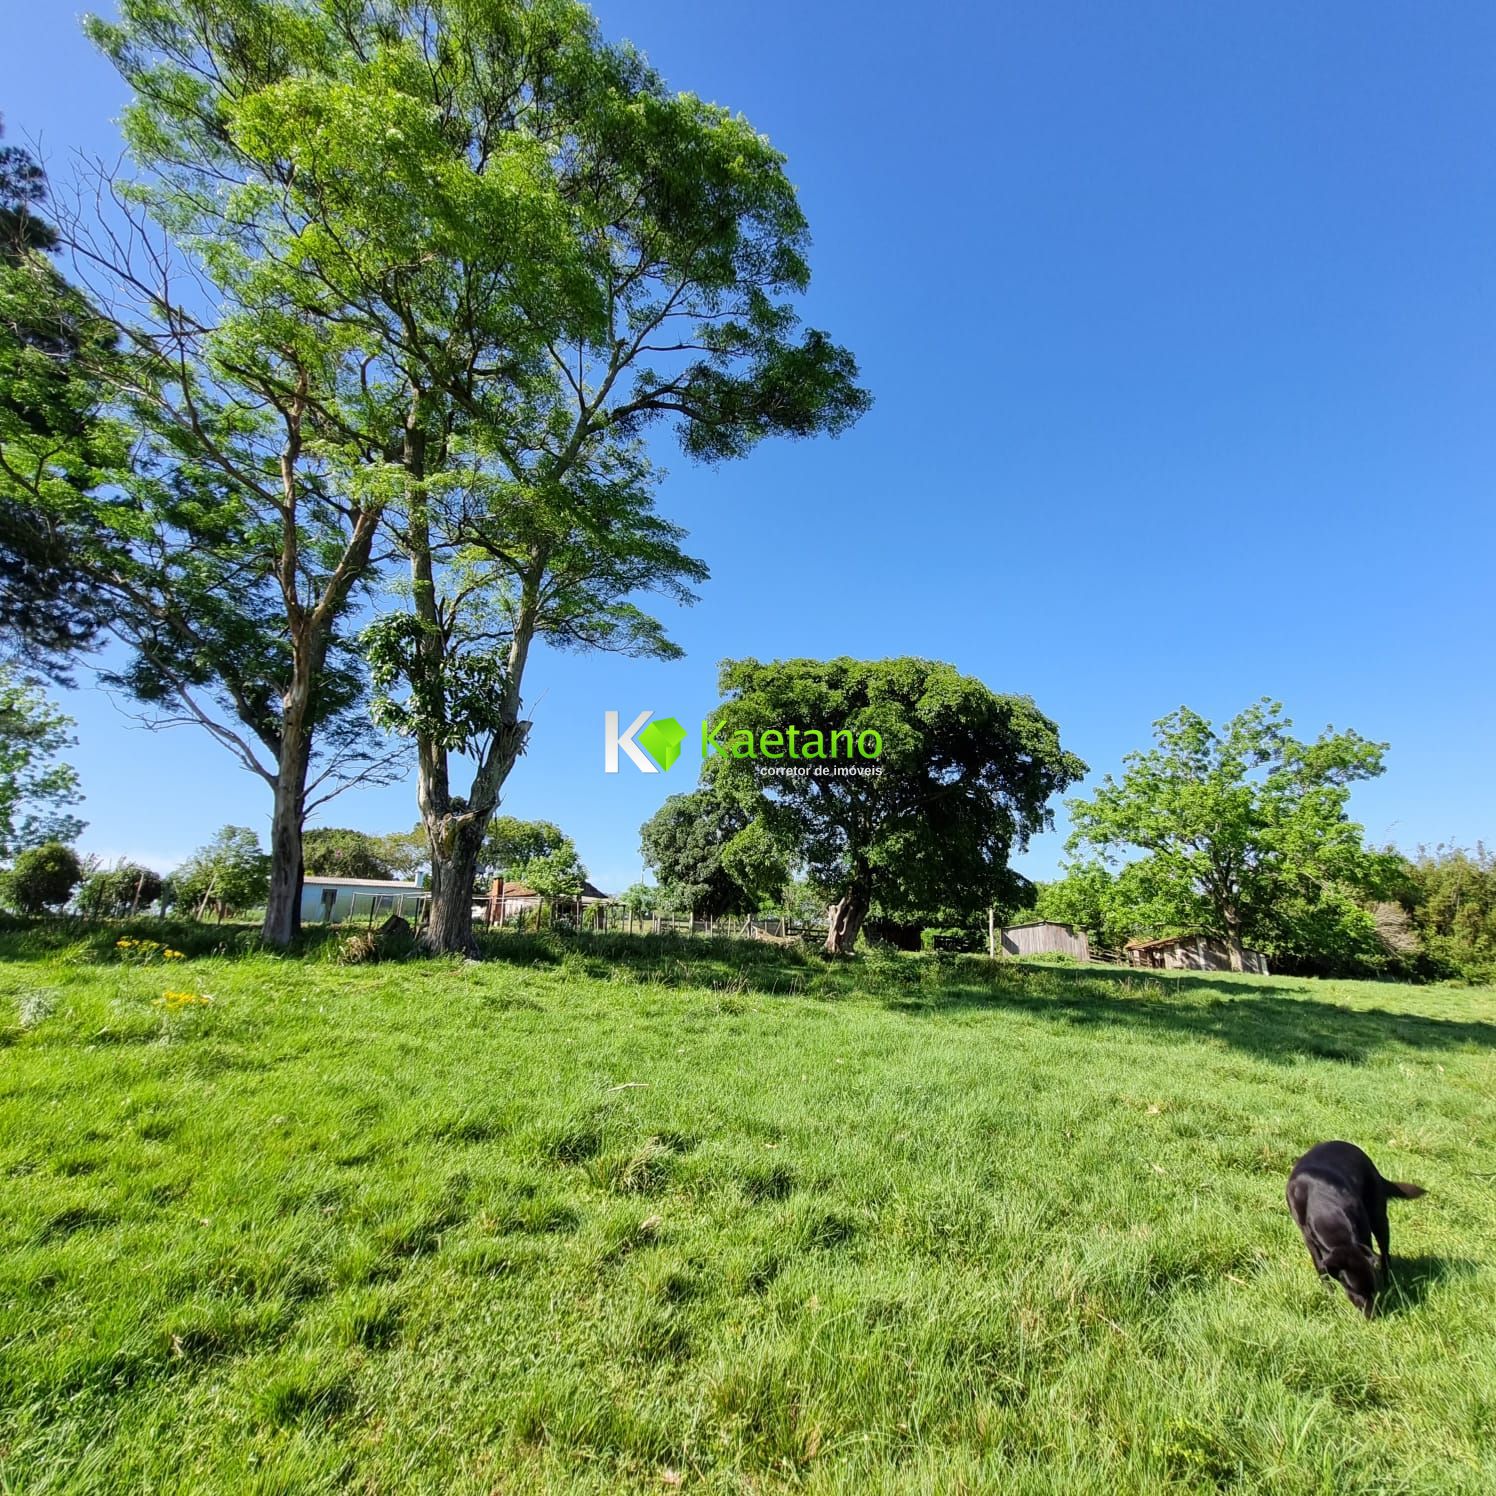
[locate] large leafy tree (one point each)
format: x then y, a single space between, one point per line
269 353
407 852
187 461
36 787
510 843
467 251
339 852
1233 827
640 899
537 854
149 500
532 568
710 855
965 779
528 516
556 875
1110 904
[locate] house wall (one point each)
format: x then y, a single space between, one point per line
1038 940
357 903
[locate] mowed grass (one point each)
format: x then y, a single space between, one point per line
637 1215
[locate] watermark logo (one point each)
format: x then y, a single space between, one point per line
654 743
659 739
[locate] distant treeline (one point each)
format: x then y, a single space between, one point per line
1427 917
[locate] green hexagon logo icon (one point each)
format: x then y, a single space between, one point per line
661 740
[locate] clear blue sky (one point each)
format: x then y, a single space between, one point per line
1181 323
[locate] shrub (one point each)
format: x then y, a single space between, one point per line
392 941
43 878
114 893
359 950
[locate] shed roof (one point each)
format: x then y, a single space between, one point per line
1149 945
1042 924
522 891
314 880
1153 945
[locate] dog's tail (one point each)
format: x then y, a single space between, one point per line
1407 1191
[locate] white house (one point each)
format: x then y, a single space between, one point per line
335 901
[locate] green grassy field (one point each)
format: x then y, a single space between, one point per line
723 1218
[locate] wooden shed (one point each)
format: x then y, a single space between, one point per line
1045 937
1191 953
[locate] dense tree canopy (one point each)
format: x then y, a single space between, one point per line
338 852
558 874
229 875
56 443
640 899
1240 830
511 843
1449 894
35 787
126 888
710 856
962 780
406 852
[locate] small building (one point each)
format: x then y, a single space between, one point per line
336 901
510 900
1046 937
1191 953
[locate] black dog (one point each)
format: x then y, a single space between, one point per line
1340 1202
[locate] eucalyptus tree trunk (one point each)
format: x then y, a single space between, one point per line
456 839
455 829
283 905
456 825
312 633
311 629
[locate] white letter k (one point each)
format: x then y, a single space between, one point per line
612 742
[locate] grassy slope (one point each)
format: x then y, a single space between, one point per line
591 1225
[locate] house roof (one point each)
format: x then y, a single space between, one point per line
521 891
314 880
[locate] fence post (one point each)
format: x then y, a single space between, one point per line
991 936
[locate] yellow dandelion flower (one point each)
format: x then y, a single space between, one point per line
184 999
